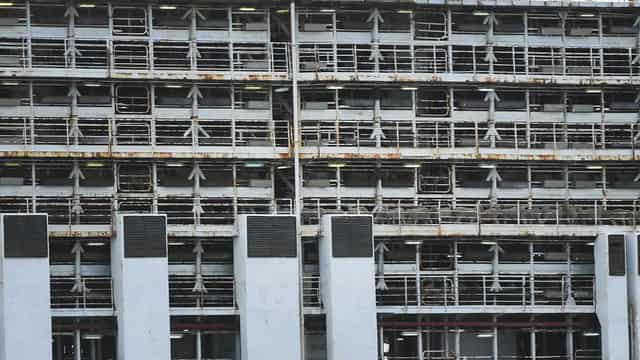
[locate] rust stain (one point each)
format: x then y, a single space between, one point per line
211 76
259 77
349 154
203 76
75 234
439 155
286 156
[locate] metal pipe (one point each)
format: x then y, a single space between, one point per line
495 340
198 344
77 349
93 350
418 275
33 185
532 339
420 344
295 109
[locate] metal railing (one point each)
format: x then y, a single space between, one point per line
404 212
397 134
446 134
220 291
486 290
430 26
97 295
136 55
401 212
142 132
465 59
99 211
129 20
546 61
217 211
345 133
358 58
312 295
95 211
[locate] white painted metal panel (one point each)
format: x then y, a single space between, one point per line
633 290
267 291
25 310
141 297
349 298
611 304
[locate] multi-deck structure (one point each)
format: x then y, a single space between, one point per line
494 145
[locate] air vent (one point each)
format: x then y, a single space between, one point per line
352 236
617 264
25 236
145 236
271 236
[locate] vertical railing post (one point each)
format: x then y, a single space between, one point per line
456 287
444 283
593 290
476 134
562 289
355 58
484 290
406 291
84 294
270 58
434 52
532 287
523 283
111 292
418 277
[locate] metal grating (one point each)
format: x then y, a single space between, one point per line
617 264
145 236
271 236
25 236
352 236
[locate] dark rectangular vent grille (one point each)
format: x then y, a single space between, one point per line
145 236
25 236
271 236
352 236
617 264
